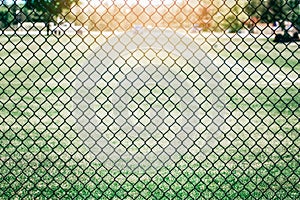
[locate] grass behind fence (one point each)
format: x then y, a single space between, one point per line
42 157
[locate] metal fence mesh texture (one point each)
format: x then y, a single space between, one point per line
149 99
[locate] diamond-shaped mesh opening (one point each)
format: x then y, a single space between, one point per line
149 99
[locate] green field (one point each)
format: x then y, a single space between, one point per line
42 157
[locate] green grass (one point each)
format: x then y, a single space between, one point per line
41 156
254 52
182 181
263 51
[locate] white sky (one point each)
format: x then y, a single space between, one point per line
12 1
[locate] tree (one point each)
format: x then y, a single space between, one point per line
48 10
6 17
232 22
10 13
204 17
256 8
280 11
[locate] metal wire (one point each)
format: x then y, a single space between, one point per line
150 100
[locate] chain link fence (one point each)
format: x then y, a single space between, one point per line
149 99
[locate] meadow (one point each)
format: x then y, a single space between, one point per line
42 157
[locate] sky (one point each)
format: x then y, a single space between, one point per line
143 3
110 2
11 1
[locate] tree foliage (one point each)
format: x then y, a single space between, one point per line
256 8
6 17
11 14
232 23
278 10
275 11
48 9
33 11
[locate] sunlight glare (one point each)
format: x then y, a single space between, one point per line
143 3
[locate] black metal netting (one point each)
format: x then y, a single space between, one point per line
149 99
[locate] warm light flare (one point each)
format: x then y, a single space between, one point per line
110 15
143 3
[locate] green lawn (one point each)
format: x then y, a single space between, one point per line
42 157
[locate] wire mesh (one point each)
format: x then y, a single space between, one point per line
149 99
